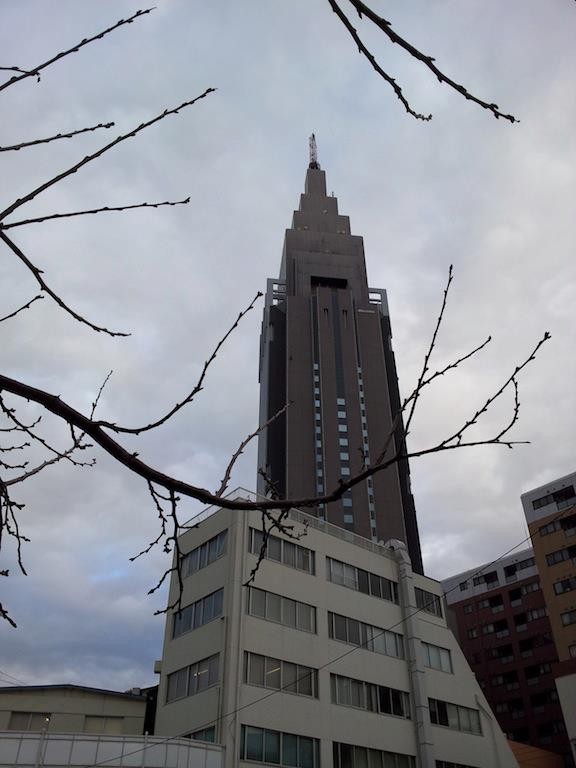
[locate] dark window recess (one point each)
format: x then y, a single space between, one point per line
428 602
328 282
486 578
563 495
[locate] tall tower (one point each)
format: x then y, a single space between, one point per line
326 349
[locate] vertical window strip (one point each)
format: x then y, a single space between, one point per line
352 756
455 716
193 679
361 580
286 552
281 610
348 692
199 613
263 745
436 657
204 554
278 674
365 636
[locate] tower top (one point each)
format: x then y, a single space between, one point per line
313 153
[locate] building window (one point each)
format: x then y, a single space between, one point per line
281 610
280 675
365 636
341 414
205 554
454 716
343 442
346 501
104 725
262 745
447 764
29 721
572 651
348 519
342 428
463 586
199 613
566 585
340 401
472 633
348 692
468 608
206 734
428 602
344 456
436 657
351 756
360 580
345 471
568 617
561 555
193 679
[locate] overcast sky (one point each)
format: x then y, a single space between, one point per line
494 199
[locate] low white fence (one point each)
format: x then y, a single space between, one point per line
19 749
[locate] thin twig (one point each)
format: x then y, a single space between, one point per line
37 273
97 398
22 308
35 71
89 158
22 145
105 209
196 389
366 52
428 61
236 455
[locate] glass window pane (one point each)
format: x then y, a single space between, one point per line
193 561
375 585
273 607
340 627
272 747
255 669
218 603
256 541
222 542
288 612
274 551
337 572
254 743
289 749
305 752
273 673
350 578
379 640
452 712
213 549
306 681
343 690
257 602
203 556
384 700
374 758
306 617
363 581
357 694
213 673
303 559
207 611
289 677
397 703
289 555
353 631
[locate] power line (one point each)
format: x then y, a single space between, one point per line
227 715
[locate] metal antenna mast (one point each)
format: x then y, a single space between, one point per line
313 153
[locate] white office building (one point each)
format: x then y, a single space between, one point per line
337 654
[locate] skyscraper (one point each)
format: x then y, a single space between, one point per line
326 349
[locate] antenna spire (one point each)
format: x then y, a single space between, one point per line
313 153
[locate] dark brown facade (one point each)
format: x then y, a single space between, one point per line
505 634
326 349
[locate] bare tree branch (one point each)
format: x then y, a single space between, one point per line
22 71
89 158
428 61
105 209
243 444
22 145
37 273
35 71
22 308
173 485
197 387
366 52
99 394
77 445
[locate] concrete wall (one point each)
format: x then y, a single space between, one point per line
68 707
233 703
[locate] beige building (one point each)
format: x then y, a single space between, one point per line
71 709
550 512
337 654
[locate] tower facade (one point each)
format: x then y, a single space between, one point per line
326 349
